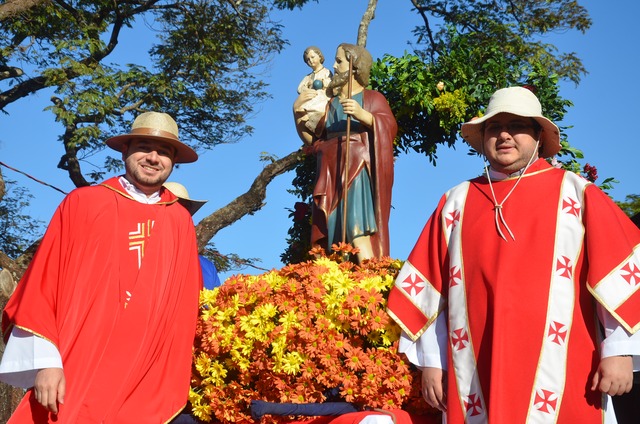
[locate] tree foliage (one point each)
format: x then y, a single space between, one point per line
199 70
631 205
465 51
18 231
204 69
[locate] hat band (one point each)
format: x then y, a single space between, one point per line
155 132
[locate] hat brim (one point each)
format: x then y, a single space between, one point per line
191 205
549 137
184 153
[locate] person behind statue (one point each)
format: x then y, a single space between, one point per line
315 86
209 272
370 161
101 326
519 300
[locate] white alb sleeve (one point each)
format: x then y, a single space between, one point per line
618 341
430 349
24 355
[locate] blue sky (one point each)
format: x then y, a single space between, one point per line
603 117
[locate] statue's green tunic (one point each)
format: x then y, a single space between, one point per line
369 175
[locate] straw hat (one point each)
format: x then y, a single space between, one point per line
517 101
155 126
182 194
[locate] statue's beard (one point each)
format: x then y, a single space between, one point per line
338 81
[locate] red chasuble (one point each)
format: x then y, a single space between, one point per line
114 286
522 327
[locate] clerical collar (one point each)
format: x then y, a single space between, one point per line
137 194
499 176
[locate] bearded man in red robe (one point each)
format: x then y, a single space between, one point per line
520 301
366 170
100 329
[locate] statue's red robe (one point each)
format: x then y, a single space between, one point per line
370 151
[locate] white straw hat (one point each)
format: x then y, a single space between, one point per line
182 194
518 101
155 126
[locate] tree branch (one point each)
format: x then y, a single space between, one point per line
247 203
433 47
32 85
367 17
12 8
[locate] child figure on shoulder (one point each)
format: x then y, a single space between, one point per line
316 82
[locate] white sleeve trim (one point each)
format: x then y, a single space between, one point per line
618 341
430 350
24 355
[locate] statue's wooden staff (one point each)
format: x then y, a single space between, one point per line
346 157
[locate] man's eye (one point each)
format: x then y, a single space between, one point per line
511 127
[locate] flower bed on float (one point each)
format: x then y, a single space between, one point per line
294 334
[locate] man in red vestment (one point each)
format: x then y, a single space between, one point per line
520 299
100 328
367 169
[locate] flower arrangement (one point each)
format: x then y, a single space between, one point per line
293 335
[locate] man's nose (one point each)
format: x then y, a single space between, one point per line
153 156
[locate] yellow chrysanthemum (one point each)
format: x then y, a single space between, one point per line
244 347
279 345
225 335
336 280
208 297
207 312
201 411
215 374
258 325
326 262
266 311
333 302
289 320
202 363
240 360
374 282
274 279
290 363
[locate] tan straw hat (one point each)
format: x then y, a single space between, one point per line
182 194
518 101
155 126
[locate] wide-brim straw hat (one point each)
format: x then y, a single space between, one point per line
155 126
182 194
517 101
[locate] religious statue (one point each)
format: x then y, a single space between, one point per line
353 145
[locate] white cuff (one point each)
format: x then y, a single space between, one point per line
24 355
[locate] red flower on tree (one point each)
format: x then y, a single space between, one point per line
590 172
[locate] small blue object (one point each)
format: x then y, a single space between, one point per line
209 273
317 84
